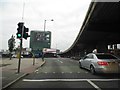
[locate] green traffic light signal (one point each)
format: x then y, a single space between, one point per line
19 35
19 30
22 31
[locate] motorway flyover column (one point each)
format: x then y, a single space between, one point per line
102 48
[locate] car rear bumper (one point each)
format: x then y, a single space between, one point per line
108 70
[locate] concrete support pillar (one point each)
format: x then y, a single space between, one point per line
89 50
82 53
115 46
115 49
102 48
111 46
71 53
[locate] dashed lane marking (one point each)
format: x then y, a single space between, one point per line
61 72
60 61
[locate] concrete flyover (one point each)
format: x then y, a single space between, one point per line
100 28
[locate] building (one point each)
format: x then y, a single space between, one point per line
40 40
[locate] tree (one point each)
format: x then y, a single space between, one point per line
11 45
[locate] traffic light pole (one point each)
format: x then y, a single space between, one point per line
21 41
19 63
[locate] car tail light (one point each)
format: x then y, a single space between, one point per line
102 63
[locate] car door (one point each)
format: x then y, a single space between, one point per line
85 61
89 60
82 61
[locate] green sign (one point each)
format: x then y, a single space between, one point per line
40 40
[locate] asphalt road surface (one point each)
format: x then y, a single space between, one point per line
65 73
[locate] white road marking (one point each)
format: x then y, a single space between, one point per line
62 72
75 80
36 70
78 72
53 72
94 85
70 72
45 72
60 61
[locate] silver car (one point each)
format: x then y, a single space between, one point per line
100 62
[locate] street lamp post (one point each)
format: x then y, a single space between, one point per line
45 24
44 35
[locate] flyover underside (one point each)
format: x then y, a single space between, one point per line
101 28
95 37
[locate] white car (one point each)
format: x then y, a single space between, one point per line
100 62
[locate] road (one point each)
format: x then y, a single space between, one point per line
65 73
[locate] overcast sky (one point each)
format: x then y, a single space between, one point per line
68 17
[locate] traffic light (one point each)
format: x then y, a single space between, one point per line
19 29
25 33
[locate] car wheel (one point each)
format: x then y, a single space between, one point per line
80 65
92 70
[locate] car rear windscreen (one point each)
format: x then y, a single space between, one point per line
105 56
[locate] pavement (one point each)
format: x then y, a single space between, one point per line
9 69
